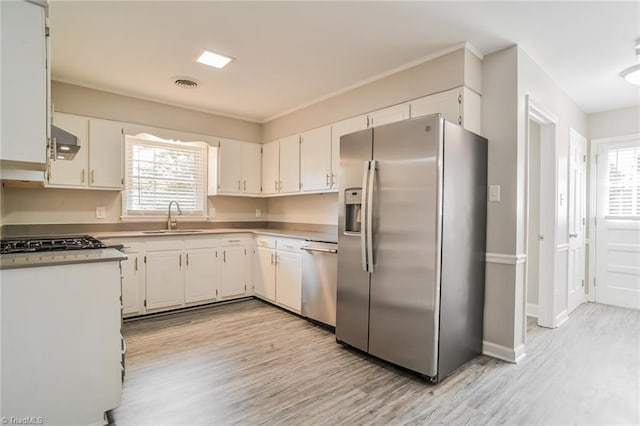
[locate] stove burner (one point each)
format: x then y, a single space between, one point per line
40 244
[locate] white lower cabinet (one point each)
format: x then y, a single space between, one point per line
165 279
233 270
289 280
202 269
133 279
278 272
264 269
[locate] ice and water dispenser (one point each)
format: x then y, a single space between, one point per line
353 208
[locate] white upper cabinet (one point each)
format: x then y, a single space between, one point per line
289 164
71 173
106 139
389 115
339 129
23 133
238 167
270 167
229 166
251 168
461 106
98 163
315 159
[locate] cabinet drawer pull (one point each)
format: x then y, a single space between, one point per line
93 174
82 177
233 241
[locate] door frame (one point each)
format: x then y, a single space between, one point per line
590 241
548 226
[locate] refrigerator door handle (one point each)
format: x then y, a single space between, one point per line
363 217
369 225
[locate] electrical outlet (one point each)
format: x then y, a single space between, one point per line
494 192
100 213
258 213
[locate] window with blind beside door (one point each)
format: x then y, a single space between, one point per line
623 180
158 171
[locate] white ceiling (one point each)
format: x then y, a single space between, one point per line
290 54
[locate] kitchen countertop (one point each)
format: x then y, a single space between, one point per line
282 233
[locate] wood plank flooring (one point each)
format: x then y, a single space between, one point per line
251 363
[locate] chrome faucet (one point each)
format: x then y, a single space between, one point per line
172 222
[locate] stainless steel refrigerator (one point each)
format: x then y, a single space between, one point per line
411 238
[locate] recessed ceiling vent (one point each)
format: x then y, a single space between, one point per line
185 82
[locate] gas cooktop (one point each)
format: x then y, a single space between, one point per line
43 244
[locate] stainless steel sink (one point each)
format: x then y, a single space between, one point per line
173 231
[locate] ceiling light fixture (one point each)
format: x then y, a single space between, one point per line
214 59
632 74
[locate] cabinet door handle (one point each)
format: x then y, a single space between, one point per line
180 261
238 185
333 179
280 186
82 176
187 260
135 264
224 256
327 179
272 258
276 185
244 185
93 176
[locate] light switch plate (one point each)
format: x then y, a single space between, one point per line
100 213
494 192
258 213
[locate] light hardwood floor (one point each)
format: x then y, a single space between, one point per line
250 363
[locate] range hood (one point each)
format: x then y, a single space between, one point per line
65 145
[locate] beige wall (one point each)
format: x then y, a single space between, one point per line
499 124
233 209
95 103
619 122
508 77
66 206
439 74
312 208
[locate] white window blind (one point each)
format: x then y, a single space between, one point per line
159 172
624 182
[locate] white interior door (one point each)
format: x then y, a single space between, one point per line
577 220
618 224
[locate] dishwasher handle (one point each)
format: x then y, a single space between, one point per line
307 248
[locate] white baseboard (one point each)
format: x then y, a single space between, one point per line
504 353
561 318
532 310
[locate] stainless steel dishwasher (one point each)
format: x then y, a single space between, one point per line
319 282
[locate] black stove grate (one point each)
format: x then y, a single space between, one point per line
43 244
